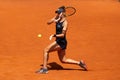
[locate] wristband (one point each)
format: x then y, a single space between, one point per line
54 35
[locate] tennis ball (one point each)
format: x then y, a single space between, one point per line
39 35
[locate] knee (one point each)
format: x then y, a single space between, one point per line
46 50
63 60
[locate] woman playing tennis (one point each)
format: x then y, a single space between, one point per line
60 43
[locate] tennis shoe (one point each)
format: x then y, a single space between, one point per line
83 65
42 71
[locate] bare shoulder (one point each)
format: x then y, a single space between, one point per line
65 26
65 22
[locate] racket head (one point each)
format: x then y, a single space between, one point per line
69 11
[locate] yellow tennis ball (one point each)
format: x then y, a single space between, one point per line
39 35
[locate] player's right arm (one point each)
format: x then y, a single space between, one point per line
55 19
51 21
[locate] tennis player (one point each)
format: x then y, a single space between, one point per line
60 43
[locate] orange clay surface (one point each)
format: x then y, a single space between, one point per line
93 35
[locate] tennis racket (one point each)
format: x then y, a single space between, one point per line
70 11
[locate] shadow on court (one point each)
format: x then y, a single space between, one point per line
56 66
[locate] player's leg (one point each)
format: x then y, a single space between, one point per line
63 59
52 47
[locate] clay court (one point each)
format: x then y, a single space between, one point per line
93 35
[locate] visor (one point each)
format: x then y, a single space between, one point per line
59 10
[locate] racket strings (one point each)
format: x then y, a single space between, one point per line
70 11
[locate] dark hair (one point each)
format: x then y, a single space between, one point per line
60 9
